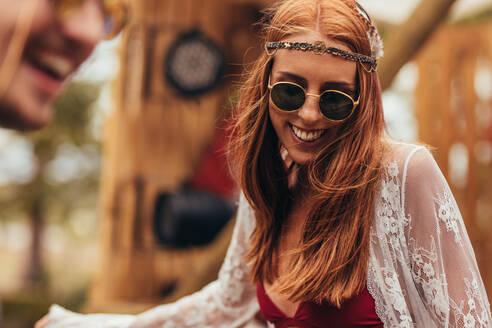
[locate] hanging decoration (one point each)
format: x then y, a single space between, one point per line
194 64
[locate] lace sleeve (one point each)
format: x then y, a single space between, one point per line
441 259
228 302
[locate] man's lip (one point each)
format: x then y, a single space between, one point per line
46 83
51 62
48 67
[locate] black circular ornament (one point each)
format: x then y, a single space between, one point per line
190 217
194 64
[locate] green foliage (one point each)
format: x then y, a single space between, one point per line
66 177
70 128
72 118
25 308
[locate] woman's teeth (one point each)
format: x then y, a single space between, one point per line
309 136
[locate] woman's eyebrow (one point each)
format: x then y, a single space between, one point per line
345 86
326 85
293 77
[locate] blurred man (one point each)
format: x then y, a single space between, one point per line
42 42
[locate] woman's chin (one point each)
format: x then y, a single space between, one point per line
301 158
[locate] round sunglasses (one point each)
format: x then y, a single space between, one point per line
334 105
115 13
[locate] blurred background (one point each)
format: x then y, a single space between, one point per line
125 202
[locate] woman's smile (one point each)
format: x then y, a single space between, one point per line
306 135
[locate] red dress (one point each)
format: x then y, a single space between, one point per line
359 311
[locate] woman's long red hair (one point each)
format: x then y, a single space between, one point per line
332 256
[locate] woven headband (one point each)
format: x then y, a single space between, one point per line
368 63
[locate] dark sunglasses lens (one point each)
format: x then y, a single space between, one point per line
287 96
335 106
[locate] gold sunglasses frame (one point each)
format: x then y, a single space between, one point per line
355 103
107 6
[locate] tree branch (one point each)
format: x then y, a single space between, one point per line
404 42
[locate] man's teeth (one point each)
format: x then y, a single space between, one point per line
307 135
57 64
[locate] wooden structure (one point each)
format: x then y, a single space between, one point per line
153 142
454 113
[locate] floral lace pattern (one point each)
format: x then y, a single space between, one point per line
449 214
473 315
431 287
421 272
388 230
417 226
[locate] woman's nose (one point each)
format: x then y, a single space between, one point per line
309 112
85 25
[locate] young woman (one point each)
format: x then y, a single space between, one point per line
337 225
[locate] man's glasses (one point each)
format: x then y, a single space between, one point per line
115 13
334 105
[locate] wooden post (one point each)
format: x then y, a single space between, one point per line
153 142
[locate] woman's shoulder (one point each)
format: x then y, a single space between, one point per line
411 163
400 151
404 154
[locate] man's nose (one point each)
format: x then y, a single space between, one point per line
85 25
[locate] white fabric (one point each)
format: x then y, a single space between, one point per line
422 269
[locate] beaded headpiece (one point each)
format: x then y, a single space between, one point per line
369 63
372 33
319 48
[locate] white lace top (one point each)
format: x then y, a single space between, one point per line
422 269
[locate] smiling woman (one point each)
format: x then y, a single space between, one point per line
338 225
42 42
